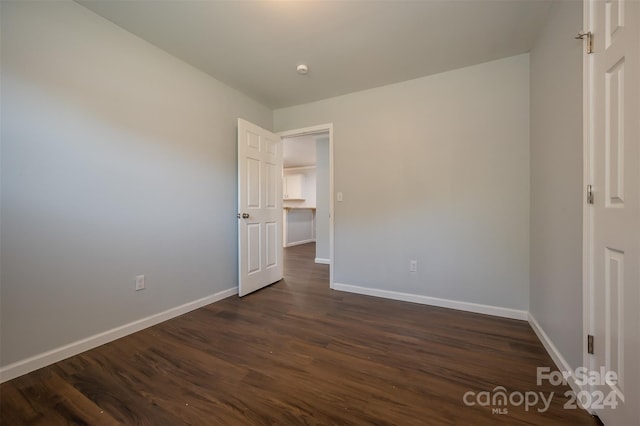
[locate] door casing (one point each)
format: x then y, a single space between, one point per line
322 128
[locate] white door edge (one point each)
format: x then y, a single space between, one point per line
592 238
587 273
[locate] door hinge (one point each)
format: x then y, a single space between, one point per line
590 344
589 194
589 36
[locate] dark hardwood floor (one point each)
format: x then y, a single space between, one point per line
298 353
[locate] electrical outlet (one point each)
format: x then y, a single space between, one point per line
139 282
413 266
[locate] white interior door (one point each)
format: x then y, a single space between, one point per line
614 218
259 207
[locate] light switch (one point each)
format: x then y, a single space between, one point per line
339 197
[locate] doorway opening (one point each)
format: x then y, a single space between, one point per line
307 178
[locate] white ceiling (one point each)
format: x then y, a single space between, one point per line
255 46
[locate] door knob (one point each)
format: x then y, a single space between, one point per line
245 215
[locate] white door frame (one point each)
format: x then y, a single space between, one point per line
589 237
587 217
322 128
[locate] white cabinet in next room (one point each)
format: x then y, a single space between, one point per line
292 186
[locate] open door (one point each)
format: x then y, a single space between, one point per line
613 237
259 207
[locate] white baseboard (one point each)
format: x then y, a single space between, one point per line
554 353
435 301
297 243
33 363
323 261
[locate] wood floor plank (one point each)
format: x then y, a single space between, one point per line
297 353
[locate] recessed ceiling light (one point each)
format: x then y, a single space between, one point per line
302 69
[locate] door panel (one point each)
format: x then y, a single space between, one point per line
614 316
272 181
253 183
259 207
272 245
614 20
253 248
614 218
614 131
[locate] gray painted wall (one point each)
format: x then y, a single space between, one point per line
556 180
323 197
299 225
117 160
434 169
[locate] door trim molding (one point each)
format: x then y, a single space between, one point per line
587 237
322 128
